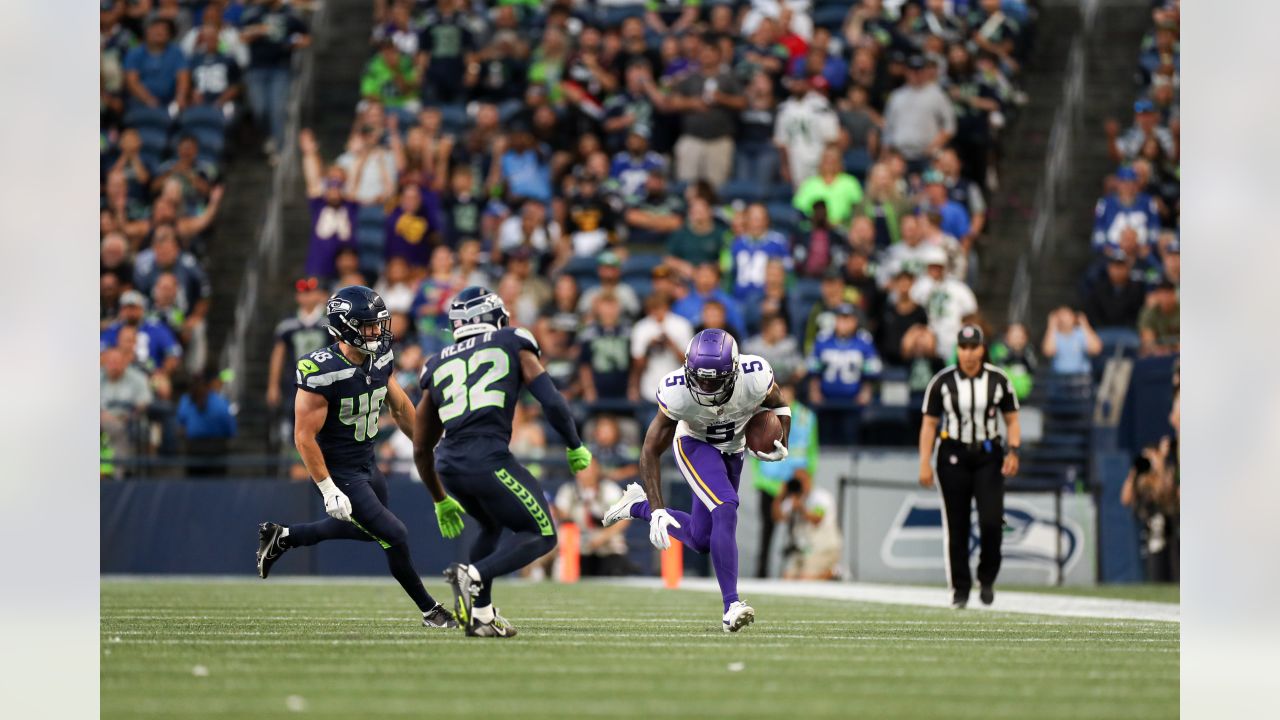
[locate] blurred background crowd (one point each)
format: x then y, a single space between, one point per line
811 175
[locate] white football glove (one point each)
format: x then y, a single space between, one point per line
659 521
780 453
336 502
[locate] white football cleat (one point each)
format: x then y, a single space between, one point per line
621 510
739 616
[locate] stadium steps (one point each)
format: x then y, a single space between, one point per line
1111 55
340 49
1010 207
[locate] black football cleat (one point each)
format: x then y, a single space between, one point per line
438 617
464 590
269 547
959 601
987 594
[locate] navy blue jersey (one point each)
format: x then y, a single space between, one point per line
475 384
356 394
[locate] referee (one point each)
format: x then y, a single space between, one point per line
960 407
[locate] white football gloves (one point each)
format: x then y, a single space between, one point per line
659 521
780 453
336 502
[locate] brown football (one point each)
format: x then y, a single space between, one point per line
762 429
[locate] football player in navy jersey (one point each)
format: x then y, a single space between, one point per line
343 388
464 433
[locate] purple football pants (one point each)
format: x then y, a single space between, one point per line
713 523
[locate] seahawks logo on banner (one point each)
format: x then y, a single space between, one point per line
1030 537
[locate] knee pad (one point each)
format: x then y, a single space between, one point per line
549 542
726 512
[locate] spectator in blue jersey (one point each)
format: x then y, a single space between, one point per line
157 348
955 217
156 72
840 366
524 168
604 363
215 76
706 288
1125 208
273 31
751 251
631 167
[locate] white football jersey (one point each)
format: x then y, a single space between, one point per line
721 426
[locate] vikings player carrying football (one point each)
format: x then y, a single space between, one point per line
703 412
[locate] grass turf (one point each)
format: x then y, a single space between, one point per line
265 650
1147 592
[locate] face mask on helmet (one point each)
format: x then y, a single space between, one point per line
708 387
374 335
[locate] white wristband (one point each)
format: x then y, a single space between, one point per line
784 411
326 487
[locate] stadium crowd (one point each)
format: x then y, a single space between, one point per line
174 80
810 176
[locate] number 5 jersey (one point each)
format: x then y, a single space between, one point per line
356 394
721 426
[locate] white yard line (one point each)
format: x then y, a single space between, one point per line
1018 602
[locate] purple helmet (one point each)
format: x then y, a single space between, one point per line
711 366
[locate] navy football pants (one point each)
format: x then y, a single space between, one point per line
507 497
372 521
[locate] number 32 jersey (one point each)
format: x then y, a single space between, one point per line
475 384
356 394
721 426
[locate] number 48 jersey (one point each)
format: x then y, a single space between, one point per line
721 426
356 394
475 384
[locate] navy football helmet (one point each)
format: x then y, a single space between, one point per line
475 310
359 318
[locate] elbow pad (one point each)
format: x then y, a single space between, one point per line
556 409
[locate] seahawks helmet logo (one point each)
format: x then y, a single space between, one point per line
338 305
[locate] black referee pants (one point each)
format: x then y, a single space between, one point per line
965 476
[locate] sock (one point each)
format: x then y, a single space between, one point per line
401 565
724 551
484 546
482 614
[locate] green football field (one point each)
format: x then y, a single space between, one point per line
251 649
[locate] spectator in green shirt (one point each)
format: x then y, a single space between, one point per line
1158 325
840 190
391 78
698 241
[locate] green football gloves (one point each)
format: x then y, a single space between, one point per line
449 515
579 458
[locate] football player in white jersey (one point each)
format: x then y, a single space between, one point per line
703 412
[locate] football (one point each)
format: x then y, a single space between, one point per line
762 429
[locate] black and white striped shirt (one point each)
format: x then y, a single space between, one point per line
968 406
